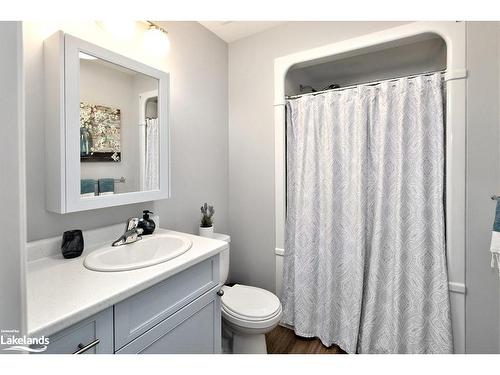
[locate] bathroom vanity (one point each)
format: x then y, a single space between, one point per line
171 307
108 116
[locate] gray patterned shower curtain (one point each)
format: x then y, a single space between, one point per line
364 262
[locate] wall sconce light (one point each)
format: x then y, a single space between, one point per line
156 39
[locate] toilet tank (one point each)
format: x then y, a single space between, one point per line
223 258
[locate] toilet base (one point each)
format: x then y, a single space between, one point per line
249 344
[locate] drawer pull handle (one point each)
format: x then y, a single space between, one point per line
83 348
220 293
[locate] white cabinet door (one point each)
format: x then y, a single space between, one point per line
195 329
146 309
93 335
63 81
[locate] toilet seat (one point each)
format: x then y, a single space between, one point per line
250 307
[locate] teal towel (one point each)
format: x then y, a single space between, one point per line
496 223
87 186
106 185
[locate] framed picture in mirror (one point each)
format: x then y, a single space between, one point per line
99 133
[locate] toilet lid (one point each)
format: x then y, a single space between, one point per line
250 302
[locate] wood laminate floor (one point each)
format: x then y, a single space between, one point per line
282 340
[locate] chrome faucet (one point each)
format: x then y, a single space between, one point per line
132 233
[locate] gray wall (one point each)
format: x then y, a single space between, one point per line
197 62
482 318
251 137
11 200
199 102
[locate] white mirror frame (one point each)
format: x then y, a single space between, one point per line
62 130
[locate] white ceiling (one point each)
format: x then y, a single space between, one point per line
230 31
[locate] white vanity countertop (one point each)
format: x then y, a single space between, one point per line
61 292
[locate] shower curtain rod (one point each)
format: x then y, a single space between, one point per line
368 83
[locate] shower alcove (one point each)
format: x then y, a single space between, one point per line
415 48
426 54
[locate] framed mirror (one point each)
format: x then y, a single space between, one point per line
115 129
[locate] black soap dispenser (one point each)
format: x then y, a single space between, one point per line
146 223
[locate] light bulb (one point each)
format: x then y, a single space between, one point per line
156 41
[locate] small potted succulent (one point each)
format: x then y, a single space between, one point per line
207 222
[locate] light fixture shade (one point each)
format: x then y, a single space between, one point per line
156 41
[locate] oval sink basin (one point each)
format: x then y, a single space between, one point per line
147 252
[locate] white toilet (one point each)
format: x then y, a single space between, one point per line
248 313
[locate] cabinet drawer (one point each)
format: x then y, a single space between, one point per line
137 314
94 333
195 329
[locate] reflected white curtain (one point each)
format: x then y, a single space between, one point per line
365 264
152 156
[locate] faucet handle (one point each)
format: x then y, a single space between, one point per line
132 223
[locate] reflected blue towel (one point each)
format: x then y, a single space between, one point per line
106 185
87 186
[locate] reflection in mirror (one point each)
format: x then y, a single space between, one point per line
119 129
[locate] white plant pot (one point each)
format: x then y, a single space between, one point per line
207 232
